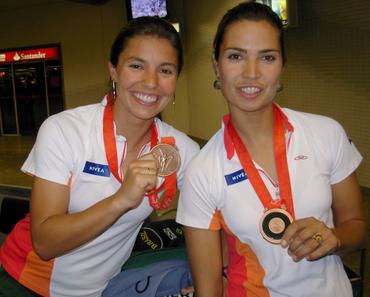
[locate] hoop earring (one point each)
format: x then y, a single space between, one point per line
279 88
114 93
217 84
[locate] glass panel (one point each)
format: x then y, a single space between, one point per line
7 107
30 93
55 86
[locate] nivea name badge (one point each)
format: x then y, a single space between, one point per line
235 177
96 169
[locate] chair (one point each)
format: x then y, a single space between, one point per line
357 278
12 210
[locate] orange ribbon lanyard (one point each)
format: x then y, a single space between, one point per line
280 161
110 139
169 184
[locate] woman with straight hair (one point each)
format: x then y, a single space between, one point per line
280 184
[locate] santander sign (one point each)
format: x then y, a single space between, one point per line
46 53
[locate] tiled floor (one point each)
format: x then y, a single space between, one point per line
14 150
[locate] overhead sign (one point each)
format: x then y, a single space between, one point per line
46 53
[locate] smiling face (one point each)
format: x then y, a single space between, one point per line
249 65
146 76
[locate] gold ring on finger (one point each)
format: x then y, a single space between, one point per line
318 237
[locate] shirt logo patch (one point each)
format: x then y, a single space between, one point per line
301 157
235 177
96 169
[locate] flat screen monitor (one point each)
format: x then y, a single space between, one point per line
138 8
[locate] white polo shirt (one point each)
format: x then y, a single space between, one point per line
70 150
218 195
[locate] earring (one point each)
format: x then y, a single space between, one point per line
217 84
114 89
174 104
279 88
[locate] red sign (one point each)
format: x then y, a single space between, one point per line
28 55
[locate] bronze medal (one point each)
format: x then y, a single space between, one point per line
273 224
168 159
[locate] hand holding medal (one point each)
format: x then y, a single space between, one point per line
309 238
141 176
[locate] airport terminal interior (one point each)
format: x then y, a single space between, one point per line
59 50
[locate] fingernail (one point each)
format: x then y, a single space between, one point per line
284 243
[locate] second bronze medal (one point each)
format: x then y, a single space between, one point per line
273 224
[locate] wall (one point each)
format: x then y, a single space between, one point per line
328 69
327 72
85 33
206 105
177 114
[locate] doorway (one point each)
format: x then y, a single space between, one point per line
30 91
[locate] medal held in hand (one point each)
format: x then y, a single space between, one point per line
168 159
273 224
165 152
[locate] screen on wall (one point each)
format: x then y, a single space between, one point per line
137 8
279 7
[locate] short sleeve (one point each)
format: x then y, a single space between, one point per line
197 206
51 157
346 157
188 150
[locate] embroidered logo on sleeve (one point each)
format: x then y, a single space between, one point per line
96 169
235 177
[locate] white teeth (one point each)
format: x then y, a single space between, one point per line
146 98
251 90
